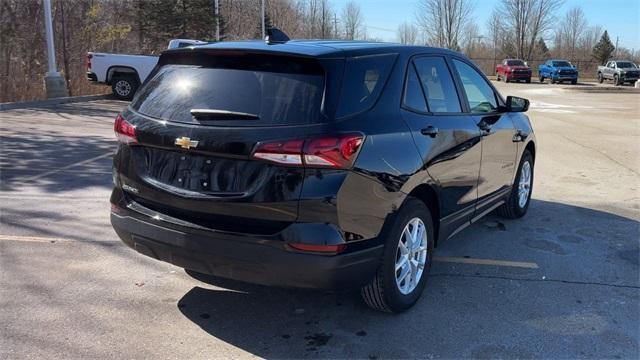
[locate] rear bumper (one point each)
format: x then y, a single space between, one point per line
250 258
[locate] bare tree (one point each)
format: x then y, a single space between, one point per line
353 21
407 33
443 21
528 20
573 28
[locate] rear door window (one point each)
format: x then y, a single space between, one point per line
274 97
438 85
363 81
413 95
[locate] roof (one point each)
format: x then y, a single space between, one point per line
319 48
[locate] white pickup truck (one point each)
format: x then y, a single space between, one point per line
125 73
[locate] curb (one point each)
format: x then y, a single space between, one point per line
56 101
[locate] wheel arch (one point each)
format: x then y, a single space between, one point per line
531 147
121 69
429 196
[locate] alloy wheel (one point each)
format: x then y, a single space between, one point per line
123 88
411 256
524 186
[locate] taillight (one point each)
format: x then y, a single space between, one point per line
89 57
125 132
337 152
282 152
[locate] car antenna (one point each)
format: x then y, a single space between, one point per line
275 36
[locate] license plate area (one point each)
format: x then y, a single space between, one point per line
197 173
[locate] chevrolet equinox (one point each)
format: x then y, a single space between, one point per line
316 164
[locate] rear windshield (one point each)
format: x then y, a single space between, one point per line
363 81
273 97
515 63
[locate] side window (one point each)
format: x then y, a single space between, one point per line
413 95
438 85
364 78
480 95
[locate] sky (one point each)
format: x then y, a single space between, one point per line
620 18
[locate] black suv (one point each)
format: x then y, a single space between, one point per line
316 164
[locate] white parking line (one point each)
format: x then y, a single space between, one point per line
490 262
32 239
47 173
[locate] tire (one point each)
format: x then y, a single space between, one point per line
553 81
124 87
541 78
506 79
616 80
383 292
528 81
573 82
600 79
513 208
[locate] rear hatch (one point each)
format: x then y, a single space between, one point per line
197 122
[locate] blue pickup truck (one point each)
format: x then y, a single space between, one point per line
558 71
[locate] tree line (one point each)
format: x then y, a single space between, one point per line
517 28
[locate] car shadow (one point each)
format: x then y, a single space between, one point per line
466 310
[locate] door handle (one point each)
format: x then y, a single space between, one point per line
484 126
430 131
520 136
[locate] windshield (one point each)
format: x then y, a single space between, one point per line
561 64
515 63
626 65
272 98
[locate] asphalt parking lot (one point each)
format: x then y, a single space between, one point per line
563 282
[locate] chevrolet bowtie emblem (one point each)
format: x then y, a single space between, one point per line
186 143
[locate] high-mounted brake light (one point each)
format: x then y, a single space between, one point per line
337 152
125 132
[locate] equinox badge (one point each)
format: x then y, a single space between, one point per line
186 143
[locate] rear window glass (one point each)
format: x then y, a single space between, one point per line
275 98
363 81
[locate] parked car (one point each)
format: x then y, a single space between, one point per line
125 73
558 71
619 71
513 69
316 164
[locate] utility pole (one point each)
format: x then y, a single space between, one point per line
54 84
616 55
262 16
217 14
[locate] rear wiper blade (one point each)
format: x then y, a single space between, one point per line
214 114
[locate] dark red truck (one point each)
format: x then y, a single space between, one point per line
513 69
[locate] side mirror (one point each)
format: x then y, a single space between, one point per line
517 104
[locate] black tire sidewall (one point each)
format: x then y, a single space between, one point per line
396 300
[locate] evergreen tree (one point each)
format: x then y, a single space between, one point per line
603 49
542 51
